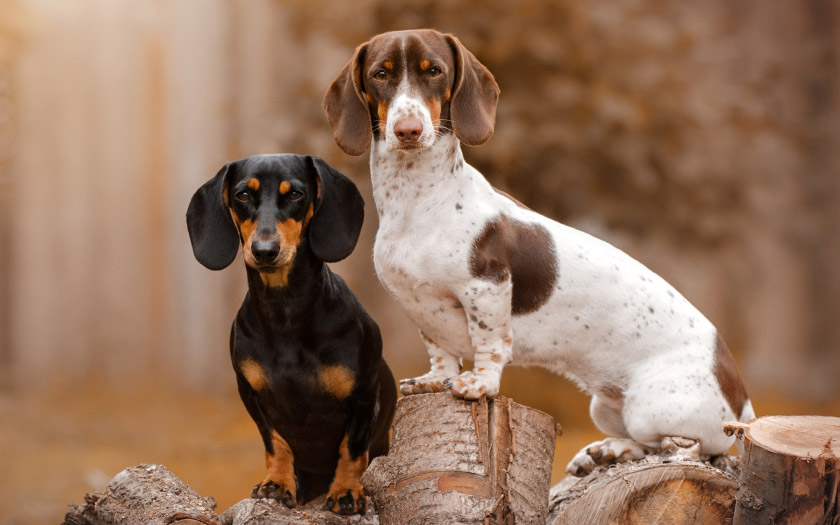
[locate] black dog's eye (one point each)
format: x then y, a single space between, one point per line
243 196
380 75
434 71
295 195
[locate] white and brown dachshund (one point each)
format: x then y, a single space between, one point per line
487 279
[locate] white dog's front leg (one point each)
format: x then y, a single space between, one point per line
443 366
487 306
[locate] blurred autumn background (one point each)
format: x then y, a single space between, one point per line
702 138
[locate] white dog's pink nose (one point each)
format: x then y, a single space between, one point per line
408 129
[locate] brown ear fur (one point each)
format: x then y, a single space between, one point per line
474 97
347 109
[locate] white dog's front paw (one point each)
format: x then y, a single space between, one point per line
428 383
471 385
606 452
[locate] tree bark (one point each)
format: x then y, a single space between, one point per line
790 471
144 495
655 490
454 461
266 512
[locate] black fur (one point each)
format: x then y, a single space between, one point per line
292 331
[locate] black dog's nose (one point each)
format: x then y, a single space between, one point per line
265 251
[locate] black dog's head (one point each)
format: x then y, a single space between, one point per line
275 205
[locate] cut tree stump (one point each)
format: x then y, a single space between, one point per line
790 471
676 490
455 461
268 512
147 495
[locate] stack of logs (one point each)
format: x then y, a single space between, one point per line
489 462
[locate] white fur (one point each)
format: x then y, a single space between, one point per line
610 324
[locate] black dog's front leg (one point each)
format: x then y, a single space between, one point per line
346 494
280 482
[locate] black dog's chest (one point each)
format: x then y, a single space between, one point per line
296 385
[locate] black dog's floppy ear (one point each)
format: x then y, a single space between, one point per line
337 222
347 109
213 235
474 97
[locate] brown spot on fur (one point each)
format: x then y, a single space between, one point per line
515 201
388 65
347 475
727 376
280 464
382 113
434 106
447 95
253 373
338 380
496 358
277 279
247 229
425 65
254 184
290 230
525 252
309 214
285 186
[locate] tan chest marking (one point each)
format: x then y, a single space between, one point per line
253 373
338 380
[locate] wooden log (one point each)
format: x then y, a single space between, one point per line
147 495
790 471
676 490
263 511
454 461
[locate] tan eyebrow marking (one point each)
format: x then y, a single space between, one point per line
425 64
388 65
285 186
254 184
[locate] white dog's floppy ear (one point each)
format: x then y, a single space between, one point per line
346 107
339 214
213 235
474 97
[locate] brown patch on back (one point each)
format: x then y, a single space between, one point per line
254 374
726 372
285 186
280 464
509 196
254 184
338 380
525 252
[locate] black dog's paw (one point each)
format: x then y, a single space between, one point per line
272 490
353 502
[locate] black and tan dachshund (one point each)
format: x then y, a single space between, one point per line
308 358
